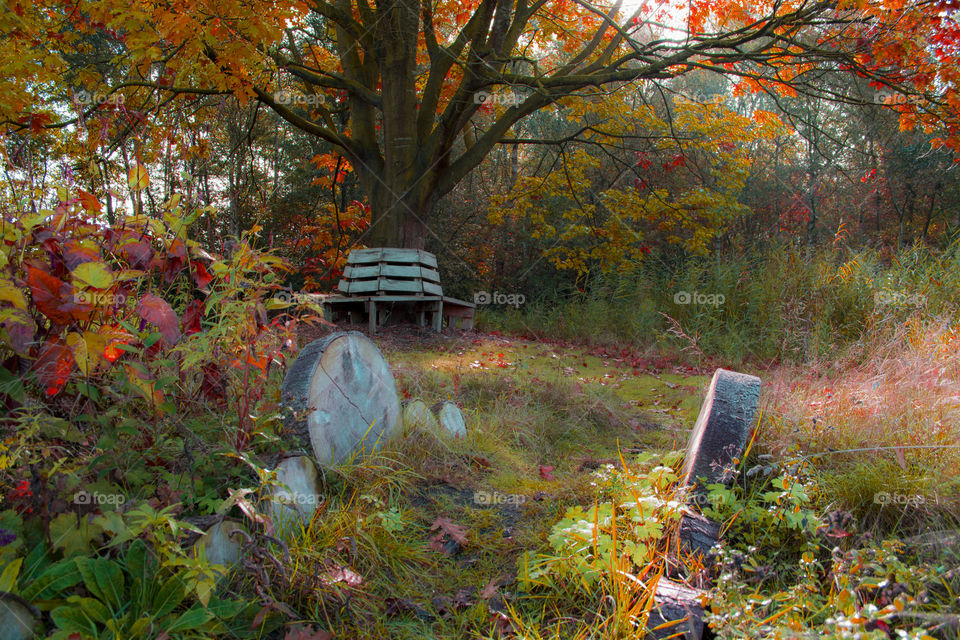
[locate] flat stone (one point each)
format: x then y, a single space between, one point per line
722 427
451 419
219 546
340 399
17 618
295 503
416 413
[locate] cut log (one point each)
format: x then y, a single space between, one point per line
339 398
720 433
677 612
450 418
697 534
416 414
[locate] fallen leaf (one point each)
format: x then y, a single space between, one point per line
456 532
342 574
546 472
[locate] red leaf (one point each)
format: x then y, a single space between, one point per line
176 260
545 472
192 317
138 254
200 274
157 312
54 297
53 366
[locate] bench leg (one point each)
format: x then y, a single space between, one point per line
438 317
373 316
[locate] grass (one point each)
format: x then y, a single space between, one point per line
573 408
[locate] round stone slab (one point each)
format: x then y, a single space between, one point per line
416 413
18 619
339 397
219 546
720 434
450 417
295 502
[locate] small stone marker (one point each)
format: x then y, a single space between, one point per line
719 437
451 419
720 434
339 397
295 503
18 618
219 546
417 414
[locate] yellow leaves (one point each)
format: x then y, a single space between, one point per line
138 178
12 294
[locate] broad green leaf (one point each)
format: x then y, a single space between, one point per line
189 620
169 597
72 619
93 274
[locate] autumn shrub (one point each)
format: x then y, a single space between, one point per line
131 362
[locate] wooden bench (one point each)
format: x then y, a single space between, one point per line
376 280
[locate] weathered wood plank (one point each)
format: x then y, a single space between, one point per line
397 286
400 271
432 288
362 272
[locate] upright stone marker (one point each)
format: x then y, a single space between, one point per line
450 417
417 414
19 620
295 502
339 397
720 434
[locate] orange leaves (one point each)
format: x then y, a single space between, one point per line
54 298
53 366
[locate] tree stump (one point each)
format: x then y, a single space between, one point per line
339 398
